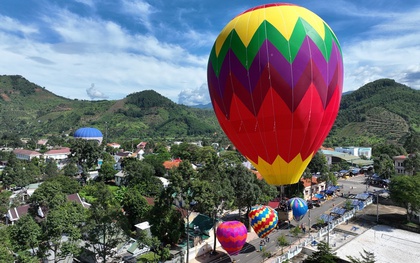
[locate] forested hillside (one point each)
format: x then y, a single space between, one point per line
381 111
28 110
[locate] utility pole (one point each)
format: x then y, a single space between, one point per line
377 206
309 210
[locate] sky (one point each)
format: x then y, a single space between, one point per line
108 49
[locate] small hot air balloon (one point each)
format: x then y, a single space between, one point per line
232 236
263 220
275 77
299 208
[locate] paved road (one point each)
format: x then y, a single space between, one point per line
250 252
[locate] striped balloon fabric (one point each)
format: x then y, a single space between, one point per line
299 208
275 77
264 219
232 236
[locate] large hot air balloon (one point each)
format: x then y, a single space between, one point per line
275 77
263 220
232 236
299 208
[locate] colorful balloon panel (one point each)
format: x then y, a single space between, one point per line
232 236
264 219
275 77
299 208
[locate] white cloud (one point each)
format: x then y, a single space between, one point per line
390 49
140 10
8 24
89 3
197 96
95 93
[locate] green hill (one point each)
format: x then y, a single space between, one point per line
31 111
381 111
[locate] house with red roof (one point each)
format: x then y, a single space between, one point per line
114 145
23 154
312 187
171 164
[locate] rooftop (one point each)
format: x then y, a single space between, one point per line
388 244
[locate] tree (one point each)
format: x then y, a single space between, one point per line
318 163
282 242
367 257
68 185
244 190
405 191
141 175
25 234
324 255
412 144
106 223
4 201
384 166
185 151
329 178
64 220
107 171
15 173
265 254
247 189
49 195
215 192
85 153
70 169
156 160
166 221
387 148
135 205
232 157
51 169
412 163
205 154
6 249
161 251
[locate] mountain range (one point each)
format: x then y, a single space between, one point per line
383 110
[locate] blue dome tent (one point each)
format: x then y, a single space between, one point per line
88 133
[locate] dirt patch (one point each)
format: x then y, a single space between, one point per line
391 215
5 97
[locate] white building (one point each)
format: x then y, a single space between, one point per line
28 155
57 154
357 151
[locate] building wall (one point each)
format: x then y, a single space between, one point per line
357 151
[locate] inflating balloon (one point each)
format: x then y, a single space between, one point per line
263 220
275 77
299 208
232 236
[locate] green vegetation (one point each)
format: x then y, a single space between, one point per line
324 255
380 111
29 110
367 257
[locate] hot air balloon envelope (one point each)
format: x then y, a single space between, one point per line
232 236
275 77
299 208
264 219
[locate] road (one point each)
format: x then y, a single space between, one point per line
250 252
